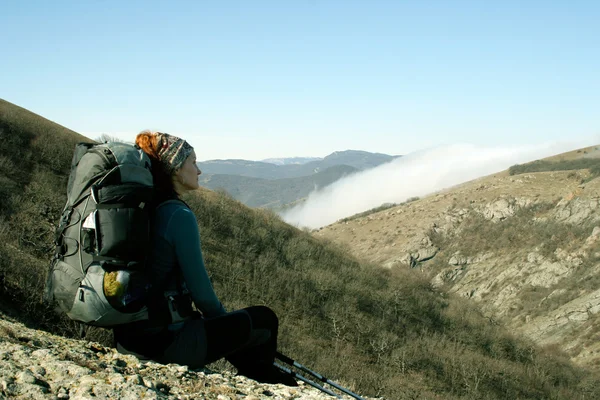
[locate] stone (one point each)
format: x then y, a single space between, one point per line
135 379
25 377
38 370
576 211
5 383
427 253
41 353
148 383
182 368
534 258
115 378
77 371
499 210
593 238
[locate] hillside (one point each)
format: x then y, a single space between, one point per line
273 193
381 332
524 248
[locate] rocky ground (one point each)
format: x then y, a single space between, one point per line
550 298
39 365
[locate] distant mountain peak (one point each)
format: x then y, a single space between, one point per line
291 160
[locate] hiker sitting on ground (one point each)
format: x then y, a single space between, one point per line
175 333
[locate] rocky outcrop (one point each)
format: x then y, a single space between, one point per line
563 324
39 365
503 208
459 259
501 283
425 251
577 210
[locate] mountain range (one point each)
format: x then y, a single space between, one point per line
256 169
275 193
269 185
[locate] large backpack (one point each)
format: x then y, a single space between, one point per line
97 274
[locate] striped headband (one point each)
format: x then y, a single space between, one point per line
172 151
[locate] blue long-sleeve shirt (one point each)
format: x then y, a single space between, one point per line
176 249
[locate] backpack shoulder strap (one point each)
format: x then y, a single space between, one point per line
171 201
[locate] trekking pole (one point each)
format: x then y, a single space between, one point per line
304 379
320 377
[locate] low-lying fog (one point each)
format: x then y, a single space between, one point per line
416 174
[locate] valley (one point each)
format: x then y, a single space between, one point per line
524 248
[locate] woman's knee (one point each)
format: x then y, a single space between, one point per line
227 334
263 317
237 324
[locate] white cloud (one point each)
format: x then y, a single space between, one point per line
416 174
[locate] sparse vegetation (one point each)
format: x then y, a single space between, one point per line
593 164
523 230
380 332
377 209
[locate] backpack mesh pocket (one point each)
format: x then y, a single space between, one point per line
125 290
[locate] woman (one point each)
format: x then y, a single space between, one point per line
174 333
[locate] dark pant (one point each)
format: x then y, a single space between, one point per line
247 338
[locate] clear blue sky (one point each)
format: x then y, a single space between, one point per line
257 79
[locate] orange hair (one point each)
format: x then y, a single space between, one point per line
148 142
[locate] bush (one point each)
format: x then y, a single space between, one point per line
593 164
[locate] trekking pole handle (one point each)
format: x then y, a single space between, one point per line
296 364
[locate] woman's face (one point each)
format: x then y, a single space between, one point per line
186 177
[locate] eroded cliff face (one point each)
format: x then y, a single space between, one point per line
526 248
38 365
